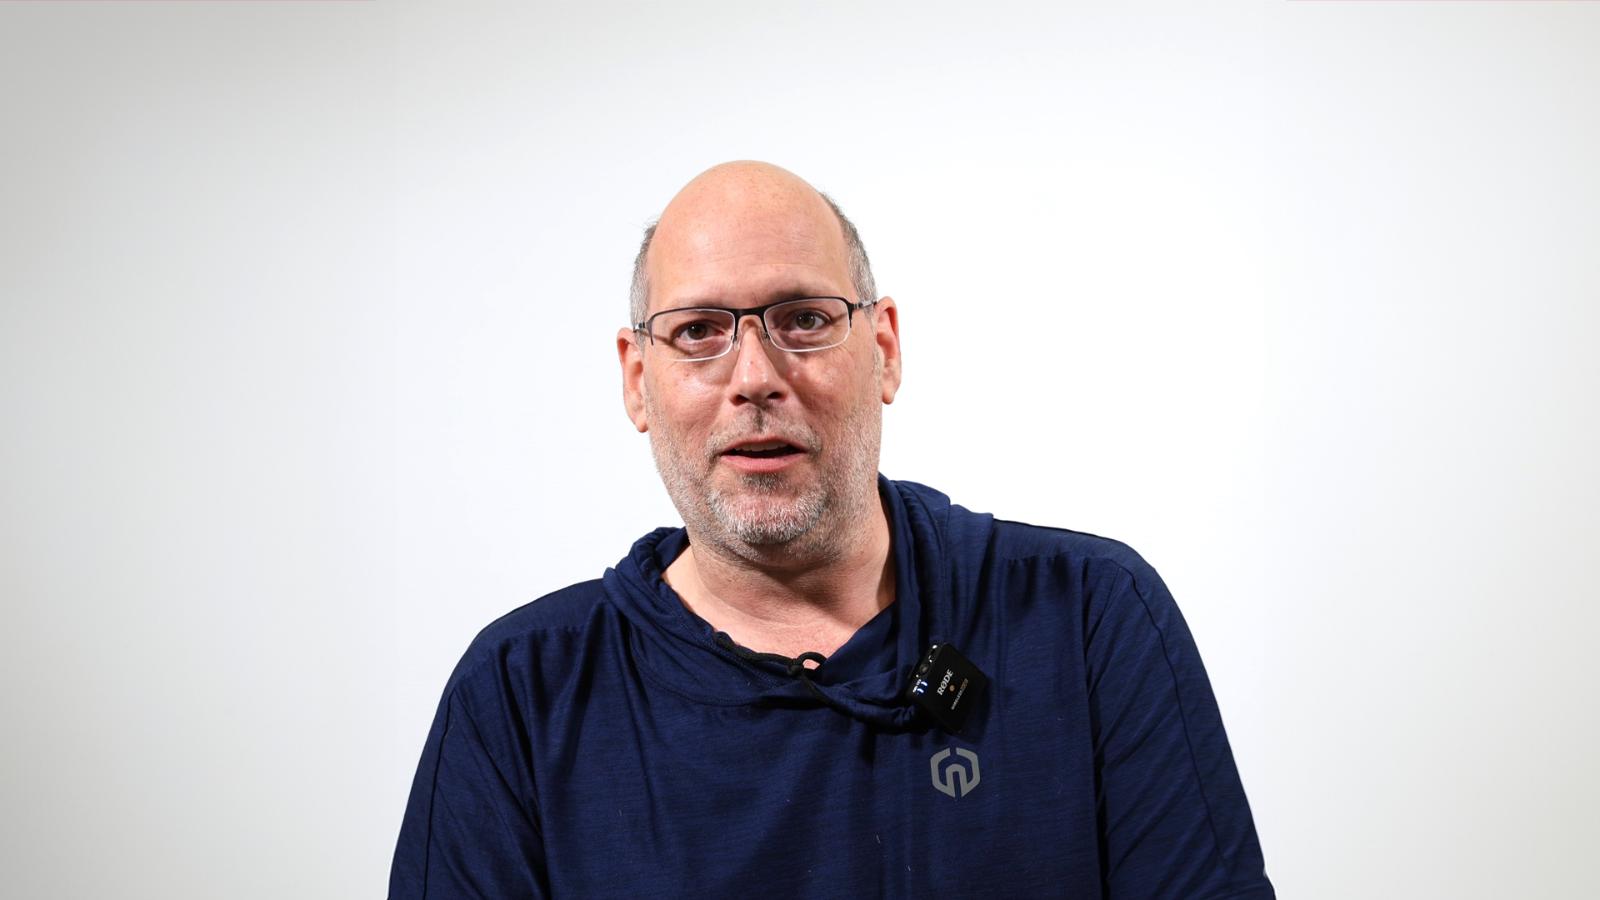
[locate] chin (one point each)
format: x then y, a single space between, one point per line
765 520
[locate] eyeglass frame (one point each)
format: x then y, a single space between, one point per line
760 312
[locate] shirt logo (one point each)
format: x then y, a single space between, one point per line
960 777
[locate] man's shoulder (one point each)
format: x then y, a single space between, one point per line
1099 563
1008 540
974 542
538 627
1023 540
570 607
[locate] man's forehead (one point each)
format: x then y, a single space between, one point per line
752 220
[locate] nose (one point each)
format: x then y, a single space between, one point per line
757 376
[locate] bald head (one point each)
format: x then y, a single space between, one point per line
751 191
736 200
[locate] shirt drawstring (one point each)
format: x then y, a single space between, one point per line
794 666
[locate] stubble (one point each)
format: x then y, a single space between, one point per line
800 514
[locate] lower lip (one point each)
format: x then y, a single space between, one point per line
754 465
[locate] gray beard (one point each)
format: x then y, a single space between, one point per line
760 521
754 516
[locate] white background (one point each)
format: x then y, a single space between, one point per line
307 373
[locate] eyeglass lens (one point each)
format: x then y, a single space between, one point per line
814 323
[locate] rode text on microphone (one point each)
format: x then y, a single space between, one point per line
948 686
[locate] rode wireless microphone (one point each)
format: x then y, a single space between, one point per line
948 686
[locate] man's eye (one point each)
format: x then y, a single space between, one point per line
694 331
807 320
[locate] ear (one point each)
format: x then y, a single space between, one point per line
886 335
632 359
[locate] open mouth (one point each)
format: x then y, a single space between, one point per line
763 450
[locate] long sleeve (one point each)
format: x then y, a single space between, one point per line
470 828
1173 815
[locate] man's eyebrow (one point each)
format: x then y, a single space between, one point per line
777 296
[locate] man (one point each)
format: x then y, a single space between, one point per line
826 683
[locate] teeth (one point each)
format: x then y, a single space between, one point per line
764 449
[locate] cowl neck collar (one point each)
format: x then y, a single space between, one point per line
864 679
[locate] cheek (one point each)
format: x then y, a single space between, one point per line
679 406
836 396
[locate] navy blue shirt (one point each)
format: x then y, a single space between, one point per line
604 741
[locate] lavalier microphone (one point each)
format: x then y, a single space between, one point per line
947 686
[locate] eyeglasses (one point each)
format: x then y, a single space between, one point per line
697 334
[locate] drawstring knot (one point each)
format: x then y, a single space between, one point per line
797 666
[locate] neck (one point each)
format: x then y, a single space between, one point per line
786 604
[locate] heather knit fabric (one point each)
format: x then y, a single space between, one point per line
603 742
